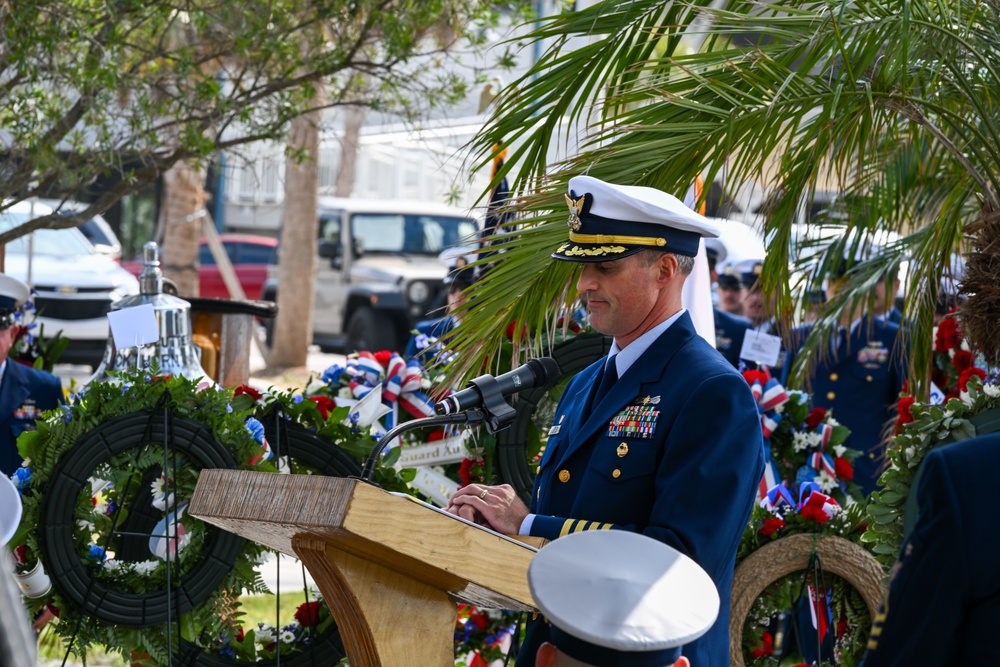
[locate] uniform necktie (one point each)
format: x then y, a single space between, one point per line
839 343
608 379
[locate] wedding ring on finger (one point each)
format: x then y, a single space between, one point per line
482 495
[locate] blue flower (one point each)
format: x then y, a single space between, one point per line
97 553
256 430
332 374
229 409
297 398
21 478
67 413
228 651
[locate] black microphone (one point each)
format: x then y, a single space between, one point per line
540 372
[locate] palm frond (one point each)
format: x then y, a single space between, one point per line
891 103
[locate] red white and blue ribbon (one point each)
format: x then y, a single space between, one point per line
809 494
401 386
768 397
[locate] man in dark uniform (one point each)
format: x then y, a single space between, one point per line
729 329
662 437
759 311
24 392
943 600
727 286
663 602
859 377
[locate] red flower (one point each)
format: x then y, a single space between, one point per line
843 468
815 417
573 325
21 554
308 614
968 374
324 404
771 526
949 335
481 620
509 331
962 360
465 471
815 513
842 626
766 647
756 376
159 378
53 609
904 407
383 357
249 391
434 436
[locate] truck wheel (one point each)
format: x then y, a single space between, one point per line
370 330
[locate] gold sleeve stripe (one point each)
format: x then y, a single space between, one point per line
582 526
607 526
613 238
567 527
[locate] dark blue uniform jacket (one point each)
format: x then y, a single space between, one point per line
24 394
861 384
943 603
674 451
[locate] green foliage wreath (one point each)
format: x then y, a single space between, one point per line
924 427
125 490
122 534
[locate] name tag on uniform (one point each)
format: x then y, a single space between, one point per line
761 347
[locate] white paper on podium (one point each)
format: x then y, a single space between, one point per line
134 327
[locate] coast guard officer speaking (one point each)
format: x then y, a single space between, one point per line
662 437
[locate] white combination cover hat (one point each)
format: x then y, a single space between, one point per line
608 222
620 598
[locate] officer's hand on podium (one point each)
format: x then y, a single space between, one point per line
498 507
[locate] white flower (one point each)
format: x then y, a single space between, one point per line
266 634
800 441
838 450
146 567
779 408
966 398
825 481
287 637
161 500
991 390
830 421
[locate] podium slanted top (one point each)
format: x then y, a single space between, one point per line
471 564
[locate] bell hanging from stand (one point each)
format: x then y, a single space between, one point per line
174 352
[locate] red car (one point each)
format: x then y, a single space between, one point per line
250 255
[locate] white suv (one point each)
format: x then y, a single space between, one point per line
379 270
75 285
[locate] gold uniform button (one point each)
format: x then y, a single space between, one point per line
564 475
538 469
830 395
869 378
871 456
834 377
622 450
616 473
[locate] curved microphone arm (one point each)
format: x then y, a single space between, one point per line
475 416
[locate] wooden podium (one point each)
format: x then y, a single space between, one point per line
391 570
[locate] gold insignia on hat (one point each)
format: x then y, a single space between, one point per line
575 209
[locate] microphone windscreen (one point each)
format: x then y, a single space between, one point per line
547 371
